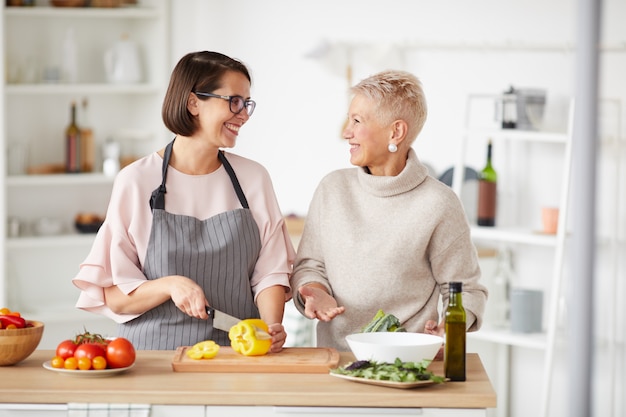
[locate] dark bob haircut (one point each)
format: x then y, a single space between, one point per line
196 71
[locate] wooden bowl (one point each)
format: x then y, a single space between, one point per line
18 344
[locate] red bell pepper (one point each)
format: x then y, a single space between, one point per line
6 319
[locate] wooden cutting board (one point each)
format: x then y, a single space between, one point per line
289 360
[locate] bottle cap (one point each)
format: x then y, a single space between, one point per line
456 286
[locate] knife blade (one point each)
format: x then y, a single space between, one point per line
225 321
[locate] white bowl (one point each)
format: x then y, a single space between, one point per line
387 346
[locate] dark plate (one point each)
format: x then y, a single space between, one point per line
446 177
88 227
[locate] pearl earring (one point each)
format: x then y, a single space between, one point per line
392 148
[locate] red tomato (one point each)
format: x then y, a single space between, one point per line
89 350
120 353
66 349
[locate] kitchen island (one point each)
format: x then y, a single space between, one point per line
152 387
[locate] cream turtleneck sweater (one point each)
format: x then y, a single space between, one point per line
390 243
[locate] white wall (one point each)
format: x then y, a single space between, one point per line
295 131
302 103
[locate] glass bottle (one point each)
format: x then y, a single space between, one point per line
72 143
487 189
86 138
499 294
455 345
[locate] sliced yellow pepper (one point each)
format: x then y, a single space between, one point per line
243 338
203 350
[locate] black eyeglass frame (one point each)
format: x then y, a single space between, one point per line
248 104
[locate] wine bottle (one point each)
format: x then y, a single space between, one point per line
454 350
87 153
487 189
72 143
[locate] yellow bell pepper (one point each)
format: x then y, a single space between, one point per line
243 338
203 350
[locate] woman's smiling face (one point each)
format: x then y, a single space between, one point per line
217 122
367 138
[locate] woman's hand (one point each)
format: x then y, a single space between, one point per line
318 304
188 296
277 331
431 327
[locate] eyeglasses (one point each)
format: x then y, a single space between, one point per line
236 103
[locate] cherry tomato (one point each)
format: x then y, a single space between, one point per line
89 350
98 363
120 353
71 363
66 349
84 363
57 362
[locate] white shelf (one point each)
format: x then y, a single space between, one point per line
504 337
55 241
512 235
83 12
62 88
520 135
58 179
507 337
131 111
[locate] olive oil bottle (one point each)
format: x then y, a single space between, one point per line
454 350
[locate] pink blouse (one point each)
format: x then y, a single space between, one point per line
118 252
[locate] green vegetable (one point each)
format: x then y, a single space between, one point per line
398 371
383 323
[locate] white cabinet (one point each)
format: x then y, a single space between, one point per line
521 159
36 96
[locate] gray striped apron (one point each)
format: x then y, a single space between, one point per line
218 253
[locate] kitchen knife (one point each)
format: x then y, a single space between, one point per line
225 321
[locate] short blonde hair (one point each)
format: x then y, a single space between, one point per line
398 95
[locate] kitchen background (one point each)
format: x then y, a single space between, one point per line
302 56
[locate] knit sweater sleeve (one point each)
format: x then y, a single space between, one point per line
453 257
309 266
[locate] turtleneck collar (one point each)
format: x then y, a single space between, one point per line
413 174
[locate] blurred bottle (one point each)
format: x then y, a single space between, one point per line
454 348
87 152
70 57
72 143
487 189
499 298
111 157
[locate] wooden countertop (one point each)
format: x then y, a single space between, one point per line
152 381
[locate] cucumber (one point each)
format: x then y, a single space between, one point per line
383 323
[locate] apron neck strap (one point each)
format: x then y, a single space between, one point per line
233 179
157 199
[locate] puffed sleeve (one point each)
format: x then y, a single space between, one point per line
113 259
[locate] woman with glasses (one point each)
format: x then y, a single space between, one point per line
384 235
192 225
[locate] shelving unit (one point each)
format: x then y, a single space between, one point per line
37 270
516 228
